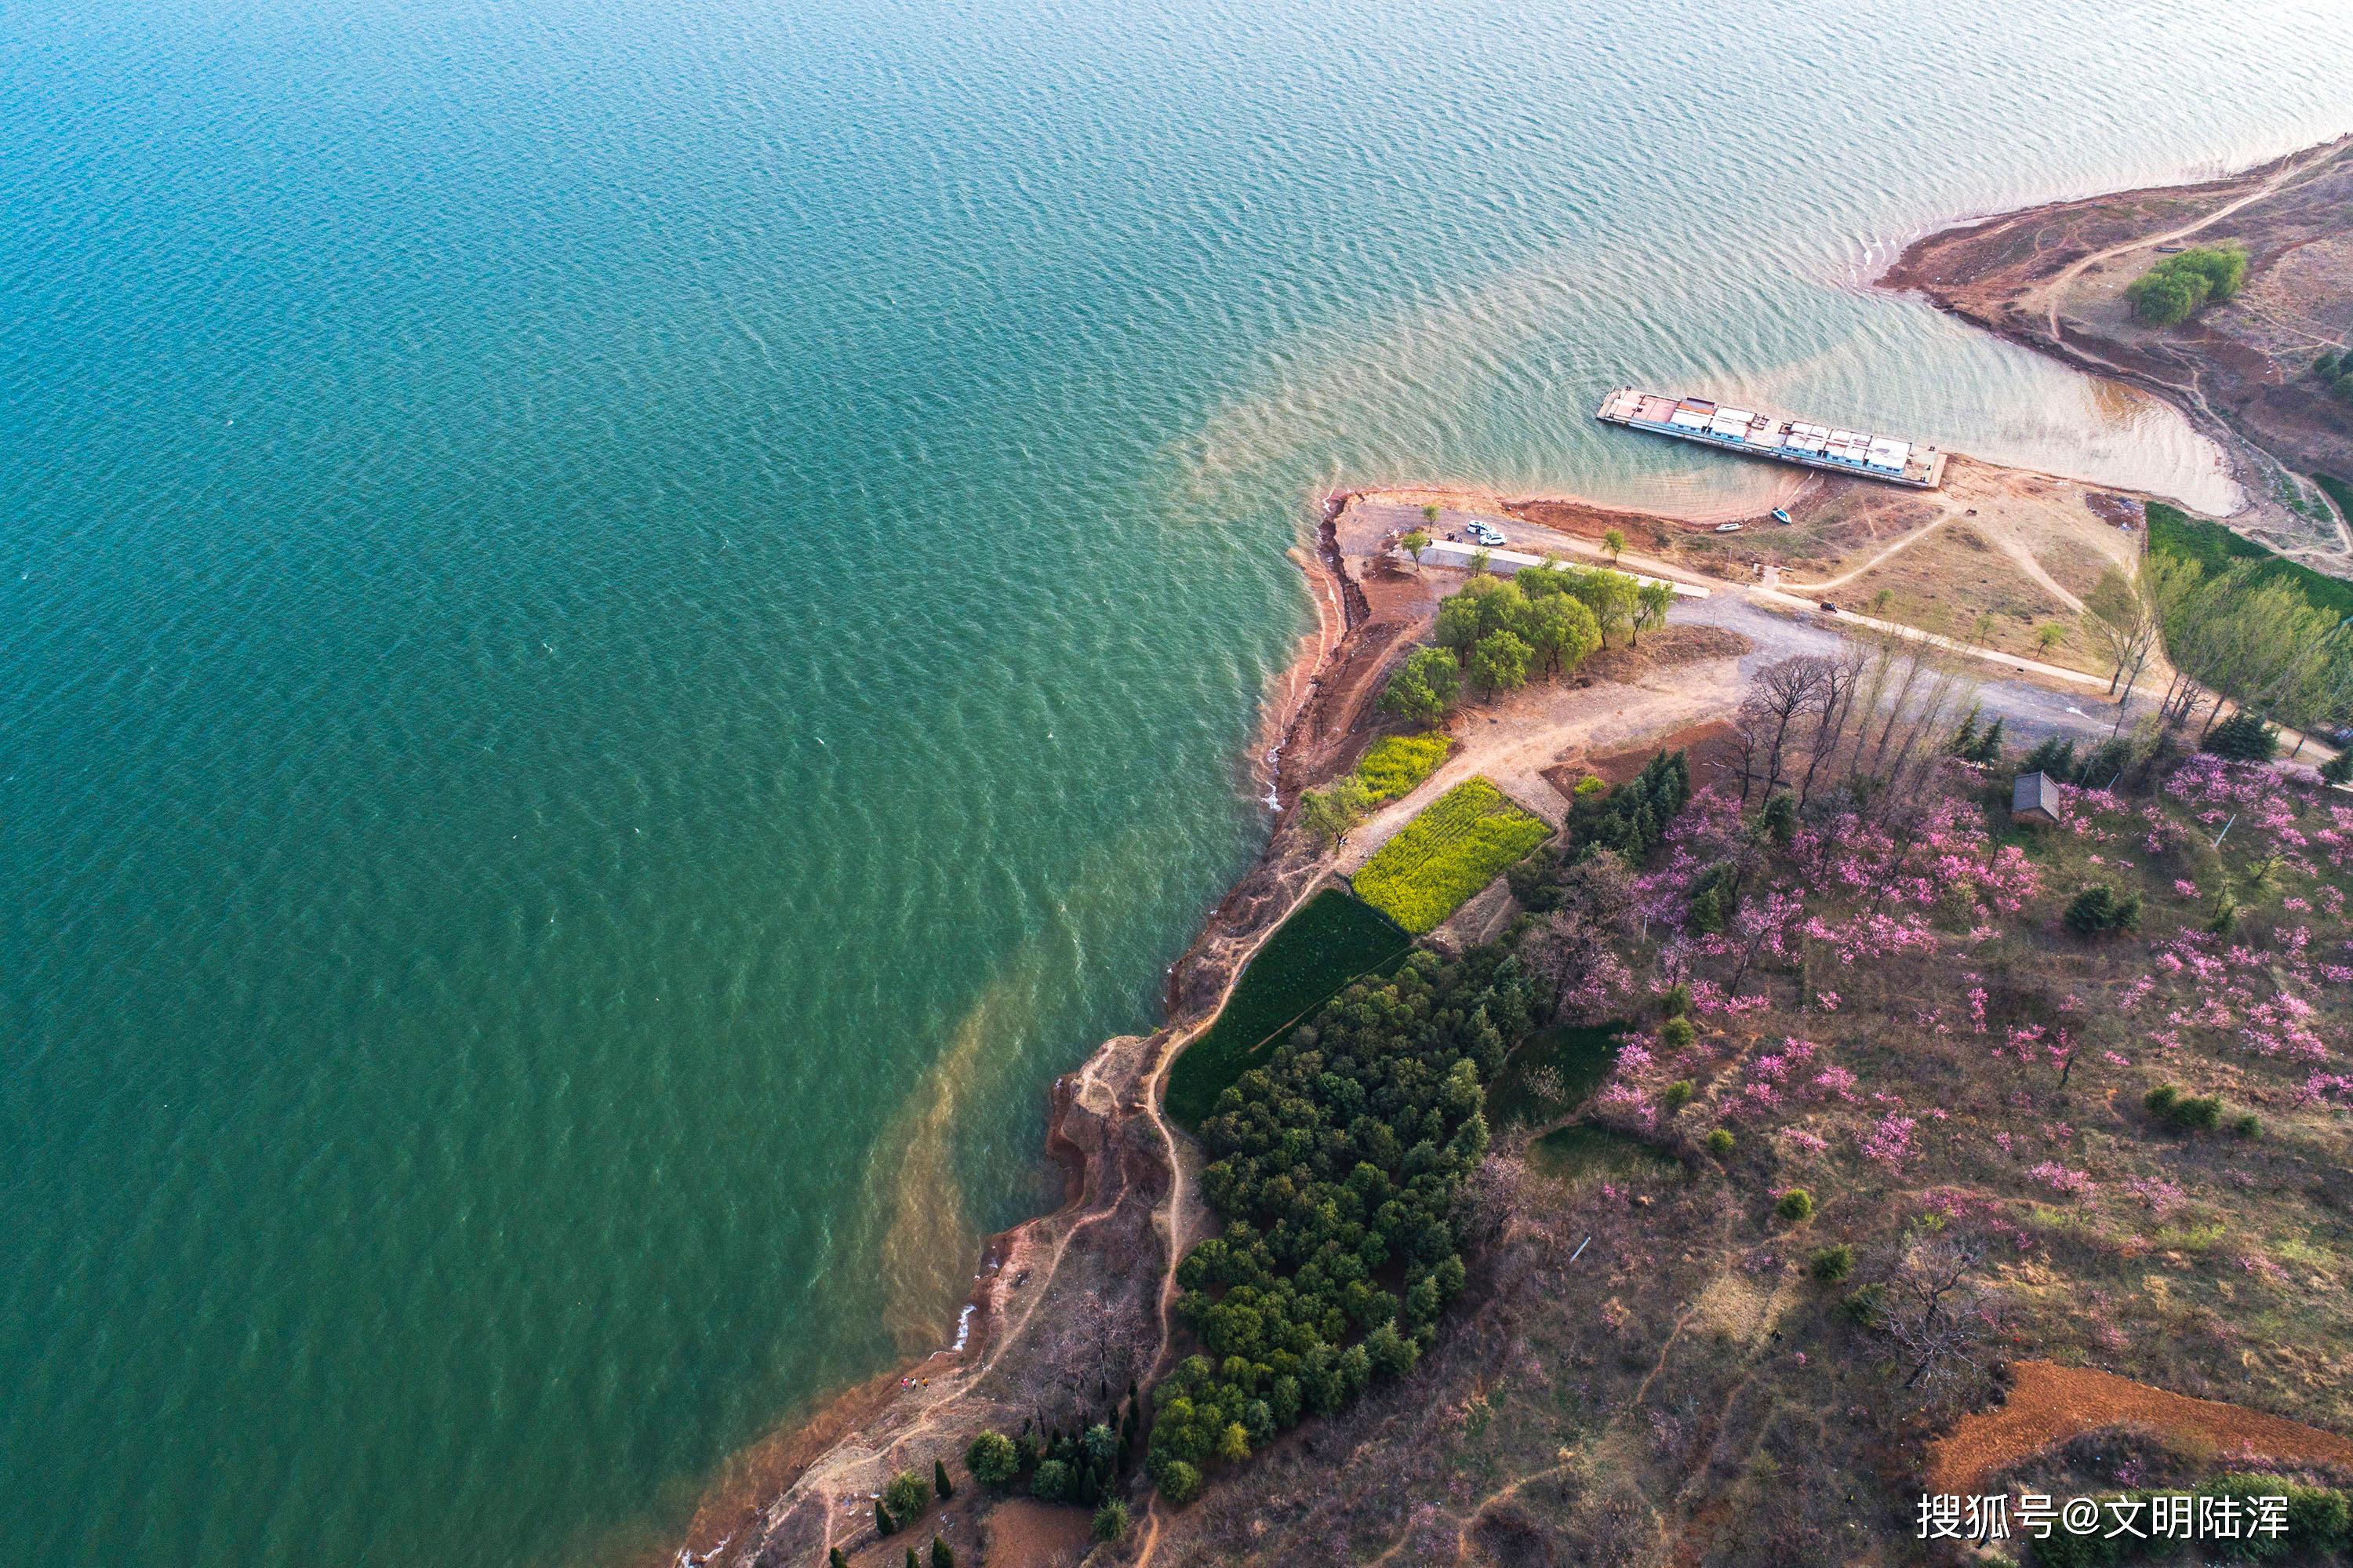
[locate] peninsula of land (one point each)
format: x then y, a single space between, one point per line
1844 1093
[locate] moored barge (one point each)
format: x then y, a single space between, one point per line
1757 434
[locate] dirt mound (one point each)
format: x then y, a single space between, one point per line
1704 744
1020 1533
1663 650
2050 1403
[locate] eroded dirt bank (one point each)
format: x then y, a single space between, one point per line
1072 1303
2052 278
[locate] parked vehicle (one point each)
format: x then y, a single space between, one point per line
1484 534
1780 514
1727 528
1829 609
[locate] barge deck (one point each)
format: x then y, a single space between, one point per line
1756 434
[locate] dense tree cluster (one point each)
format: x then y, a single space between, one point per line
1506 631
1631 818
1082 1463
1626 821
1338 1170
2179 286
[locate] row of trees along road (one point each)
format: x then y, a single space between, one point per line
2233 636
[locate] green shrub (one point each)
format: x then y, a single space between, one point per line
1712 901
2243 737
940 1481
1459 844
2334 371
2192 1113
1677 1033
1111 1520
1590 784
1796 1206
2247 1124
2056 755
1536 881
2100 907
1721 1142
1678 1095
1677 1001
993 1460
1864 1305
2338 769
1179 1481
1972 744
943 1555
906 1494
1050 1481
883 1524
1333 813
1425 687
1832 1264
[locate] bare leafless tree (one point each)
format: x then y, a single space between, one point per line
1841 681
1933 1311
1782 698
1597 912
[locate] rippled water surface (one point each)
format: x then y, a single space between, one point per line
623 625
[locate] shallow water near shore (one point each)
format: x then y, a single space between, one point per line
626 625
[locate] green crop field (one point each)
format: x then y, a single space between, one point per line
1328 941
1459 844
1397 763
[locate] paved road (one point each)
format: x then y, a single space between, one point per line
2031 711
2049 699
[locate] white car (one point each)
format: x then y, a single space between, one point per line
1727 528
1481 533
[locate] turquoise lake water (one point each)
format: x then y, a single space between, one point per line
623 626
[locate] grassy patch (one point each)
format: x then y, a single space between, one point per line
2174 532
1554 1073
2338 490
1568 1152
1457 845
1397 762
1328 941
